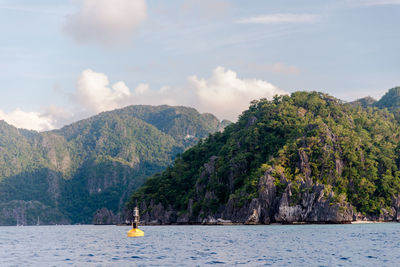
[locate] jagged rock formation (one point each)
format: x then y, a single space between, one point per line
304 158
105 216
316 205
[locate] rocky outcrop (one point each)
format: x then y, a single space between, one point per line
106 217
314 203
392 214
396 208
279 201
158 214
336 159
311 205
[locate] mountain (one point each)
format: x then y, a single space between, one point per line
184 124
307 157
391 100
364 102
86 171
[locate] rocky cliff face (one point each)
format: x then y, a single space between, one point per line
314 204
278 201
304 158
106 217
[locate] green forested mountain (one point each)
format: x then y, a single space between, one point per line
91 166
182 123
364 102
307 157
391 100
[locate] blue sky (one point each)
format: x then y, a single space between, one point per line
64 60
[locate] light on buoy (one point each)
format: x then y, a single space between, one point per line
135 231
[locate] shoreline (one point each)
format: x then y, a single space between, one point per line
275 223
220 224
369 222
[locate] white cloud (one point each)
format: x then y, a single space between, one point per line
223 94
28 120
105 21
226 95
280 18
95 94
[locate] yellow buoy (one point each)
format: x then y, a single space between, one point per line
135 231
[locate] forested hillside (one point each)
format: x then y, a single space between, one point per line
389 101
307 157
86 171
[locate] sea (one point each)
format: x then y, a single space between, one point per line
375 244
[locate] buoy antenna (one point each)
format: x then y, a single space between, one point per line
136 217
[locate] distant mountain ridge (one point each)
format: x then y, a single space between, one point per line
390 100
90 167
364 102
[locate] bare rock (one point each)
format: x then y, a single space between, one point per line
396 206
106 217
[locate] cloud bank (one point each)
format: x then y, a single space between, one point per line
28 120
95 94
224 94
105 21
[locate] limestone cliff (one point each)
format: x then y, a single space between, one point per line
314 204
304 158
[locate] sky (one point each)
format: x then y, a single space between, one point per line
66 60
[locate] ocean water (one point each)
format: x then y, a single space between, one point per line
273 245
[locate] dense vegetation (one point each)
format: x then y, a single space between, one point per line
391 100
352 149
91 164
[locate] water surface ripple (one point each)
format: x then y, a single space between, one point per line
273 245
